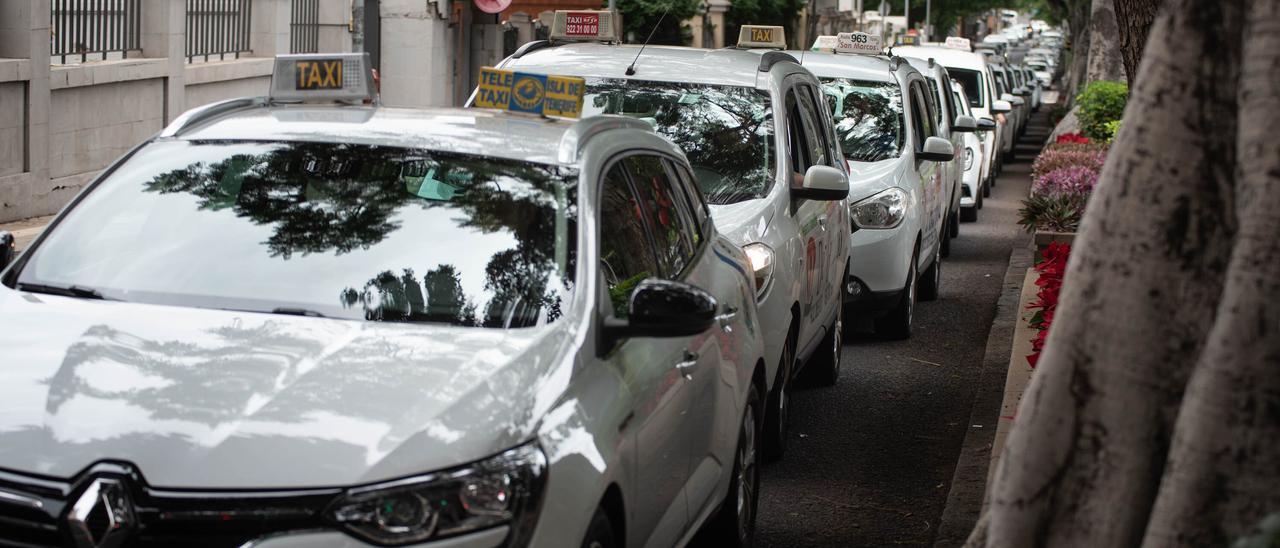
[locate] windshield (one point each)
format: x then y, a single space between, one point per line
347 231
726 131
868 118
972 82
1038 67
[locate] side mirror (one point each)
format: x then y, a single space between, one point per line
664 308
986 124
936 149
1022 92
1013 100
964 124
1001 107
823 183
8 249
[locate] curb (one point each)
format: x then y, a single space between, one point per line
966 498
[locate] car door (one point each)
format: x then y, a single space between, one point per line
809 146
651 368
932 190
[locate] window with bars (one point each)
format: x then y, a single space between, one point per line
217 28
304 27
92 30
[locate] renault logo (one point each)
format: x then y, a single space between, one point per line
103 515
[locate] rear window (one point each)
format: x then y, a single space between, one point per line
868 118
972 82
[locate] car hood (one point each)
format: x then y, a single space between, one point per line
868 178
219 399
743 222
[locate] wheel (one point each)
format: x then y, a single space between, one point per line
969 214
954 221
897 323
986 191
735 523
824 366
778 417
945 236
600 532
931 279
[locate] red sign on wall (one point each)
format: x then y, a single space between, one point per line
582 24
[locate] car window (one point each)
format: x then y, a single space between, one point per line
972 82
348 231
813 134
923 110
669 224
812 99
697 206
626 253
868 118
933 103
797 143
725 131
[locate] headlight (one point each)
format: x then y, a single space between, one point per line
968 158
501 490
883 210
761 257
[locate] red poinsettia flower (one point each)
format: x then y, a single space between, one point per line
1072 138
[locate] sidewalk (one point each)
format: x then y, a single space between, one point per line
26 230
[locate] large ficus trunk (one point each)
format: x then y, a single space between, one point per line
1153 418
1104 43
1134 18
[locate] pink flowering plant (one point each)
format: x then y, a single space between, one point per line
1058 156
1074 179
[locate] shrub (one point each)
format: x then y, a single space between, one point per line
1100 102
1076 179
1058 212
1113 129
1061 156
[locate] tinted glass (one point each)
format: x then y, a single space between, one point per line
726 131
347 231
972 82
868 118
813 130
933 94
672 233
626 255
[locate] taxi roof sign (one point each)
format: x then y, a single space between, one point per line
858 42
956 42
583 25
541 94
824 43
322 77
762 36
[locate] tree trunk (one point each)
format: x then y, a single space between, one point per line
1154 413
1079 27
1104 43
1134 18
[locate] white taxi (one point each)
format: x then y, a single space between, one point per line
764 154
304 320
898 190
971 190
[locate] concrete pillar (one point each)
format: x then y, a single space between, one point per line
695 25
716 11
417 55
24 34
523 23
164 29
269 34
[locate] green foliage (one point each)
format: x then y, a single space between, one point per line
1058 213
1113 129
1100 103
640 16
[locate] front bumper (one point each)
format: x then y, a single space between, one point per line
878 265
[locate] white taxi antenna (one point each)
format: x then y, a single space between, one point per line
631 69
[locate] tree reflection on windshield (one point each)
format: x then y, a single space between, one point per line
726 131
868 118
265 226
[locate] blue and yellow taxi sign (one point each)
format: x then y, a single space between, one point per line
546 95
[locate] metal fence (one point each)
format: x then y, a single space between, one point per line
304 27
217 28
81 29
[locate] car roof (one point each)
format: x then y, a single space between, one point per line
843 65
466 131
947 57
732 67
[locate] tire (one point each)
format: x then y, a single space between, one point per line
777 421
600 533
969 214
945 247
986 191
824 365
896 325
931 280
954 220
734 525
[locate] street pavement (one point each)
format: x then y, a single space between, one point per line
871 459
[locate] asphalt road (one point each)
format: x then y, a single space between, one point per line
872 458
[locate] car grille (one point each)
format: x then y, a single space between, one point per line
34 510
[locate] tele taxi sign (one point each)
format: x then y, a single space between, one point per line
956 42
760 36
858 42
545 95
583 25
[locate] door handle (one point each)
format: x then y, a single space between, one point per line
726 317
822 221
686 366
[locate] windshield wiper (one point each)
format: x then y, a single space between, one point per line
289 311
77 291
